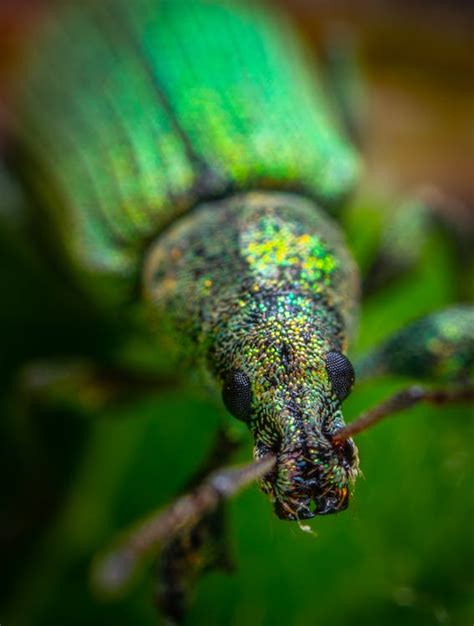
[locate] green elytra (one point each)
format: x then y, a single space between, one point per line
190 148
151 106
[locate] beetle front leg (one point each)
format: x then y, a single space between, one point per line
190 535
199 547
436 348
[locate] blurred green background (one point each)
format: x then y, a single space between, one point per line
74 475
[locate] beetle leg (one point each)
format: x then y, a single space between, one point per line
437 347
191 533
92 386
408 228
200 547
45 409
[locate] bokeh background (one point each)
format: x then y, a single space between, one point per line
73 476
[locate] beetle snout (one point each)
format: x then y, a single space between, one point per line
309 482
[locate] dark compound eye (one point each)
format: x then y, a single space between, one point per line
237 395
341 373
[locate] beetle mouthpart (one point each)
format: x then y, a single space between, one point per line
329 505
309 508
305 489
284 512
308 481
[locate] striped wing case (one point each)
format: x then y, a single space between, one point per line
133 111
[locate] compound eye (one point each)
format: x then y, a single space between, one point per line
341 373
237 395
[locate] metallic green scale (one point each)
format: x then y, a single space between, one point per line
136 111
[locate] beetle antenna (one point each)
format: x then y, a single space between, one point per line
403 400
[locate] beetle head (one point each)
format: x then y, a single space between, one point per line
287 382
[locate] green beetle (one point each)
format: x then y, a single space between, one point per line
184 162
146 130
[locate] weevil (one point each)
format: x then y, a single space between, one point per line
188 171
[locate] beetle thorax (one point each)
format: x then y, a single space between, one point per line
252 247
